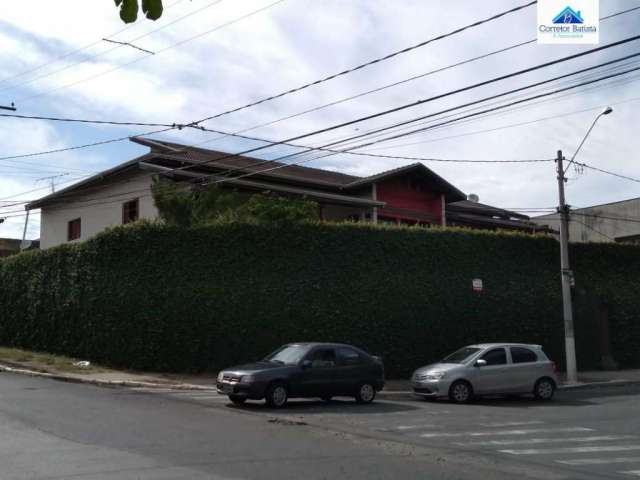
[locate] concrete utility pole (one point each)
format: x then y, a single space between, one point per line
566 274
565 270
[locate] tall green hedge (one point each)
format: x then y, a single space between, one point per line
153 297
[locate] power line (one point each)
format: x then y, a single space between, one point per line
592 229
121 44
77 50
607 172
371 62
421 129
344 151
177 44
82 120
77 147
353 69
401 82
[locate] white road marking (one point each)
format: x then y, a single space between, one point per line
511 424
533 441
632 472
599 461
506 432
412 427
598 448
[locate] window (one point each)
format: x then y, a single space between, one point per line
289 354
497 356
323 357
522 355
348 356
74 229
130 211
461 355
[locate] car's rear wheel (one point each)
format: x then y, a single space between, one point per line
276 395
366 393
237 400
544 389
460 392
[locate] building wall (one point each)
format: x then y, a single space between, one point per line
586 228
410 201
95 211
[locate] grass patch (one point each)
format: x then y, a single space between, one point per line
46 361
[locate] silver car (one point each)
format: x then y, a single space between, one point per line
488 369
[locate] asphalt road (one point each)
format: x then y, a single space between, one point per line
54 430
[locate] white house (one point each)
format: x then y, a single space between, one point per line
610 222
412 194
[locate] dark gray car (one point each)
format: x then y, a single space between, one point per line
296 370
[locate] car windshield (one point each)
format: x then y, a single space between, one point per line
461 355
289 354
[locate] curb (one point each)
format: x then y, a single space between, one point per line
105 383
606 383
576 386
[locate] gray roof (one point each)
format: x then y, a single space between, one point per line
209 162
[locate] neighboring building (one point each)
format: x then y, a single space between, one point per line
473 214
11 246
610 222
412 194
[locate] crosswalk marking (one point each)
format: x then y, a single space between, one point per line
599 461
546 451
632 472
506 432
533 441
511 424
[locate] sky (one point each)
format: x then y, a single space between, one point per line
214 55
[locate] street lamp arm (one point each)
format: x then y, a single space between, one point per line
606 111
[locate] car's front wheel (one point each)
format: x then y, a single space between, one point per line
544 389
237 400
366 393
276 395
460 392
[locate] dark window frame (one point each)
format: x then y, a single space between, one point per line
322 363
504 351
354 359
127 217
73 232
524 349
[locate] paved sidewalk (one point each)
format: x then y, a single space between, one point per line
207 381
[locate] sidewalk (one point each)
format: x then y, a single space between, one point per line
208 381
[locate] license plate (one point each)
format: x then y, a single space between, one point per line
227 388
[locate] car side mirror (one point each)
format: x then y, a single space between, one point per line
480 363
306 364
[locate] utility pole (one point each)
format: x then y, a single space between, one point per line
52 180
566 275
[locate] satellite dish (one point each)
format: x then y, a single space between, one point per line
472 197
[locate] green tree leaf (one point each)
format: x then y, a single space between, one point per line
128 10
152 9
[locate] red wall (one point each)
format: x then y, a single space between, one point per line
407 203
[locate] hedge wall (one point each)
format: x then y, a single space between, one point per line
153 297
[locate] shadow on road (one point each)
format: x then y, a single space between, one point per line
338 406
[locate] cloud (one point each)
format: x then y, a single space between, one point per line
293 43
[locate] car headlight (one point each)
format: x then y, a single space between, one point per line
246 378
220 376
436 375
